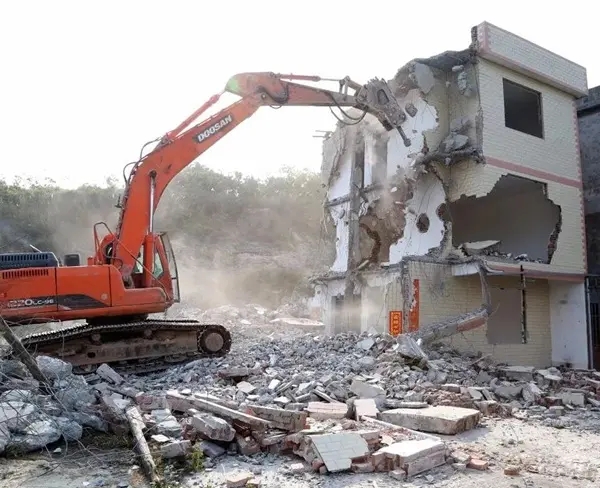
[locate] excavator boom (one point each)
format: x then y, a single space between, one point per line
151 175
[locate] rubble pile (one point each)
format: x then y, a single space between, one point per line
351 402
31 418
395 372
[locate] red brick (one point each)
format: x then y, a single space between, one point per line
478 464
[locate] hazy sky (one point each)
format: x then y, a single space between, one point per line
86 84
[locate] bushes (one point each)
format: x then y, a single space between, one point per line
212 218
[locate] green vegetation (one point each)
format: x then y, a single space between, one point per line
237 239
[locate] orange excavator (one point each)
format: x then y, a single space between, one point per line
133 273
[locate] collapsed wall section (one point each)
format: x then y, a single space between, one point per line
444 296
401 192
516 216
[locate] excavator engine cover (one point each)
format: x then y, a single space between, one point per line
20 260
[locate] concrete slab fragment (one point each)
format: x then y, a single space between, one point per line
365 407
182 403
280 419
338 450
324 411
441 419
411 457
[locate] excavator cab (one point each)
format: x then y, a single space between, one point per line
158 268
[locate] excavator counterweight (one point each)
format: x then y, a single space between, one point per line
133 272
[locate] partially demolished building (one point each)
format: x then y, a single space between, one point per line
475 227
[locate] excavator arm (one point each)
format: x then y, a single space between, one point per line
150 176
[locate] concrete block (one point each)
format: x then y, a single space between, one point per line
170 428
161 439
441 419
426 463
175 449
147 402
246 387
324 411
362 389
572 398
211 449
211 407
247 445
519 373
400 454
338 450
213 428
109 374
365 407
289 420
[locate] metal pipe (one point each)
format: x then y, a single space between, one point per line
152 192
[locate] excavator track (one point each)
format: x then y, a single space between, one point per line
135 347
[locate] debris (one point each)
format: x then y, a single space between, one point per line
223 412
365 407
338 450
137 426
175 449
213 428
324 411
512 470
440 419
412 456
478 464
279 418
245 387
238 480
109 374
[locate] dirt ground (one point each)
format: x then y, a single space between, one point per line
548 458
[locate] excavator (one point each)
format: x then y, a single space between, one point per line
133 271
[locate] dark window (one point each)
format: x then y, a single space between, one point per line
523 109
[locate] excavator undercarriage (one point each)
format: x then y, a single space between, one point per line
140 347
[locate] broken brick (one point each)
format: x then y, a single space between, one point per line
512 470
238 480
362 468
247 445
478 464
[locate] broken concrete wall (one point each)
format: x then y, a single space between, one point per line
424 228
516 212
379 293
339 215
568 323
554 158
335 174
406 199
464 110
442 295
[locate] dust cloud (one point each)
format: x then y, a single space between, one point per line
236 240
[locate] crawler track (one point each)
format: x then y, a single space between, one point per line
145 346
